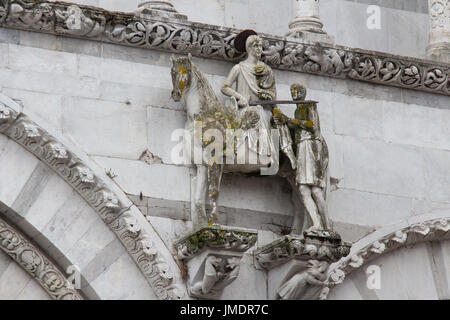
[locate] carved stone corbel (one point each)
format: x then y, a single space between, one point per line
211 257
297 267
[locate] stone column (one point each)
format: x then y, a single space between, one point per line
158 9
439 35
306 23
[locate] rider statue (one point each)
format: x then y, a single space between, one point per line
254 81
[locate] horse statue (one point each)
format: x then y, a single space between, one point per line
206 113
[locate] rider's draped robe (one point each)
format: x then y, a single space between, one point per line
256 83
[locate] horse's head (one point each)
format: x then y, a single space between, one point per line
181 75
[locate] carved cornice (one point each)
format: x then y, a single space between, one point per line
36 264
121 218
384 241
215 237
286 248
216 42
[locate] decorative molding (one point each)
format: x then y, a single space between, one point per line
385 240
215 237
123 219
36 264
178 36
286 248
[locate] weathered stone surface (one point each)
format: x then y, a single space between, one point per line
156 181
59 84
111 123
357 117
13 281
45 108
398 285
17 167
115 284
380 167
42 60
161 124
367 208
420 125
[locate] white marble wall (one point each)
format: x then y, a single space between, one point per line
344 19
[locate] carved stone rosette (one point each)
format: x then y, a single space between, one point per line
297 267
182 37
36 264
212 256
122 219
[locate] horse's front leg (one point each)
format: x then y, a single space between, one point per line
215 178
199 216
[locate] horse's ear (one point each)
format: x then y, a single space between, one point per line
190 57
172 58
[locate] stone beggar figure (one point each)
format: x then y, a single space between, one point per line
312 159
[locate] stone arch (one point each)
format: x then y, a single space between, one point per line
36 263
120 215
411 231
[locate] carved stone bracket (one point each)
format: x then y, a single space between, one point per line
179 36
297 267
212 256
124 220
36 264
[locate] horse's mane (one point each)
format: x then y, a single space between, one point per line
208 98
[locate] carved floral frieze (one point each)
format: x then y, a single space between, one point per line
36 264
179 36
288 247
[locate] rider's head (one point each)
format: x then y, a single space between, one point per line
254 46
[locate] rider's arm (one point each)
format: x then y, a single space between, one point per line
227 85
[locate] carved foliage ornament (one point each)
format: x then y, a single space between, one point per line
218 43
425 231
215 238
103 200
36 264
289 247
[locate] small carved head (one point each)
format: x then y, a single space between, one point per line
254 46
298 91
181 75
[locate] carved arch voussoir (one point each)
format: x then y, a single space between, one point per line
36 264
429 227
136 234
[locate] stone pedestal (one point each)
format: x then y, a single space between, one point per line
439 35
158 9
306 24
211 257
297 266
